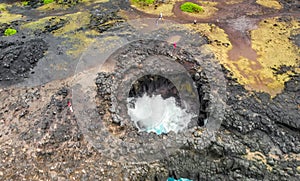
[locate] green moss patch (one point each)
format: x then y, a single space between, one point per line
25 3
48 1
10 31
191 7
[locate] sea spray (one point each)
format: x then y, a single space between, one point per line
155 114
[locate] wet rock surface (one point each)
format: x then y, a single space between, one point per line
259 138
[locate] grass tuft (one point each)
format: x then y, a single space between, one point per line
191 7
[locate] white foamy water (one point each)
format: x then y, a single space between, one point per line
155 114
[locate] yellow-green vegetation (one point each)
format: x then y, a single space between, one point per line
218 39
2 7
165 8
37 25
5 16
272 44
63 5
47 1
274 49
21 3
25 3
79 39
68 2
56 5
74 21
10 31
191 7
143 2
209 9
269 3
52 6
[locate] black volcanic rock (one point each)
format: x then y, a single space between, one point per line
17 58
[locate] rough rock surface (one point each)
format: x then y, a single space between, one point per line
102 20
259 138
18 57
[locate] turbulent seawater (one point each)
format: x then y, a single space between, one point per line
155 114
